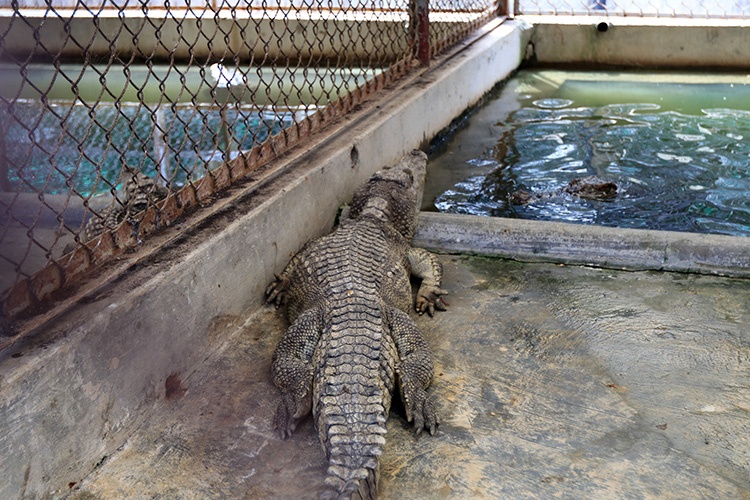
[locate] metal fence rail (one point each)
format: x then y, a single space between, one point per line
117 118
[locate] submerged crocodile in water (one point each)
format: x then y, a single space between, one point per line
591 187
351 340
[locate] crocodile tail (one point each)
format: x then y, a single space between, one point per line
364 487
353 395
354 449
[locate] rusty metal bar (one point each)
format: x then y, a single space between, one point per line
422 21
4 181
505 8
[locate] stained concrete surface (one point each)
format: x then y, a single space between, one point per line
553 382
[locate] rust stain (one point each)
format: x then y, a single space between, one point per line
18 299
205 188
46 281
148 222
173 387
102 248
170 209
187 197
124 236
615 387
76 263
239 167
222 177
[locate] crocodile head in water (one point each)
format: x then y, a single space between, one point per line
592 187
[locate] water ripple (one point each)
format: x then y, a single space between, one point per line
552 103
675 171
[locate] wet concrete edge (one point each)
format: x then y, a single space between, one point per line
543 241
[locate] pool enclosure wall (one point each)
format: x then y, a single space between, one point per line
258 132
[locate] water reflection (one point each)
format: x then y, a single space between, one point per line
676 170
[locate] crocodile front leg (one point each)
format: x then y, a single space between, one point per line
415 370
292 371
427 267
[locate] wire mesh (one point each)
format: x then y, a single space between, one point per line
117 117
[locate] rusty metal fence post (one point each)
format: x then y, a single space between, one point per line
505 8
4 180
420 21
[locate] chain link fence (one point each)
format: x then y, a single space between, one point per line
708 9
117 118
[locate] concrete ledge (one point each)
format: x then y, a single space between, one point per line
76 391
371 37
631 249
255 35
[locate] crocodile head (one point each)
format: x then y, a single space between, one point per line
592 188
394 194
140 191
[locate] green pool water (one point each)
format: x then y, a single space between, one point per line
70 129
677 145
94 83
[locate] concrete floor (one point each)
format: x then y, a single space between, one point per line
553 382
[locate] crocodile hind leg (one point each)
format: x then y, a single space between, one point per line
415 370
292 371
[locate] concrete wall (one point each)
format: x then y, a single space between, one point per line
608 247
628 41
261 36
74 393
641 42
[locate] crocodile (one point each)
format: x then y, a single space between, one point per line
351 341
139 192
591 187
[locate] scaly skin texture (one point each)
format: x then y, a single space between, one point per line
138 193
351 340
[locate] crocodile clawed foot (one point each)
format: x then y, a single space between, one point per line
276 291
430 299
420 409
431 419
284 421
425 416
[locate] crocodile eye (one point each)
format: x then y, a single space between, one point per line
140 206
